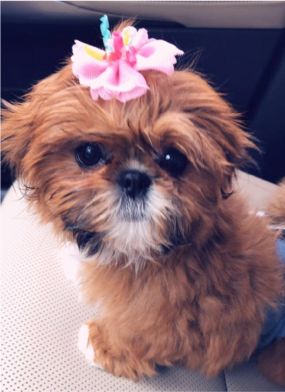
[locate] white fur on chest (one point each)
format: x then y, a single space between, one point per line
71 261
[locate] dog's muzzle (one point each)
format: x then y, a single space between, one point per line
134 186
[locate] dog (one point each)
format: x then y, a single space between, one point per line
183 272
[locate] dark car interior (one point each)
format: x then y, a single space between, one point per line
238 46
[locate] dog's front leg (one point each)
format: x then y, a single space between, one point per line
103 347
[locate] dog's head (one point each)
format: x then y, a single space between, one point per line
127 181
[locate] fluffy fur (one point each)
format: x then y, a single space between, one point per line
190 280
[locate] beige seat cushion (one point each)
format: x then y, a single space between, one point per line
41 315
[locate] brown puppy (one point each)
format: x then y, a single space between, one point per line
183 273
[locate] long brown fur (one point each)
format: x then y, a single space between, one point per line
203 303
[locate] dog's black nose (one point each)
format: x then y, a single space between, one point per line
134 183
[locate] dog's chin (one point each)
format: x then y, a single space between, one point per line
131 240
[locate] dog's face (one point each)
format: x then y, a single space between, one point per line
126 181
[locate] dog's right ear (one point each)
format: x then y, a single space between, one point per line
19 119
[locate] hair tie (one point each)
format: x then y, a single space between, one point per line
116 71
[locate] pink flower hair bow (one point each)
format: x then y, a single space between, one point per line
115 71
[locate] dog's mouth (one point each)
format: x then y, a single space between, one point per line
132 210
91 243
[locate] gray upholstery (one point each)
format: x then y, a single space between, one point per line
41 315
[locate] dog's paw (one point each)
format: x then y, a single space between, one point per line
85 346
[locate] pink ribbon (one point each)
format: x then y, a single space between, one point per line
116 73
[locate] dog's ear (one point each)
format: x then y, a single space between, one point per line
19 119
226 130
210 112
235 143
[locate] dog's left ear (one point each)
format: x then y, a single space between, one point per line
214 116
234 142
19 119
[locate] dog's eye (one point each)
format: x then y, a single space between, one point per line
173 161
89 154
